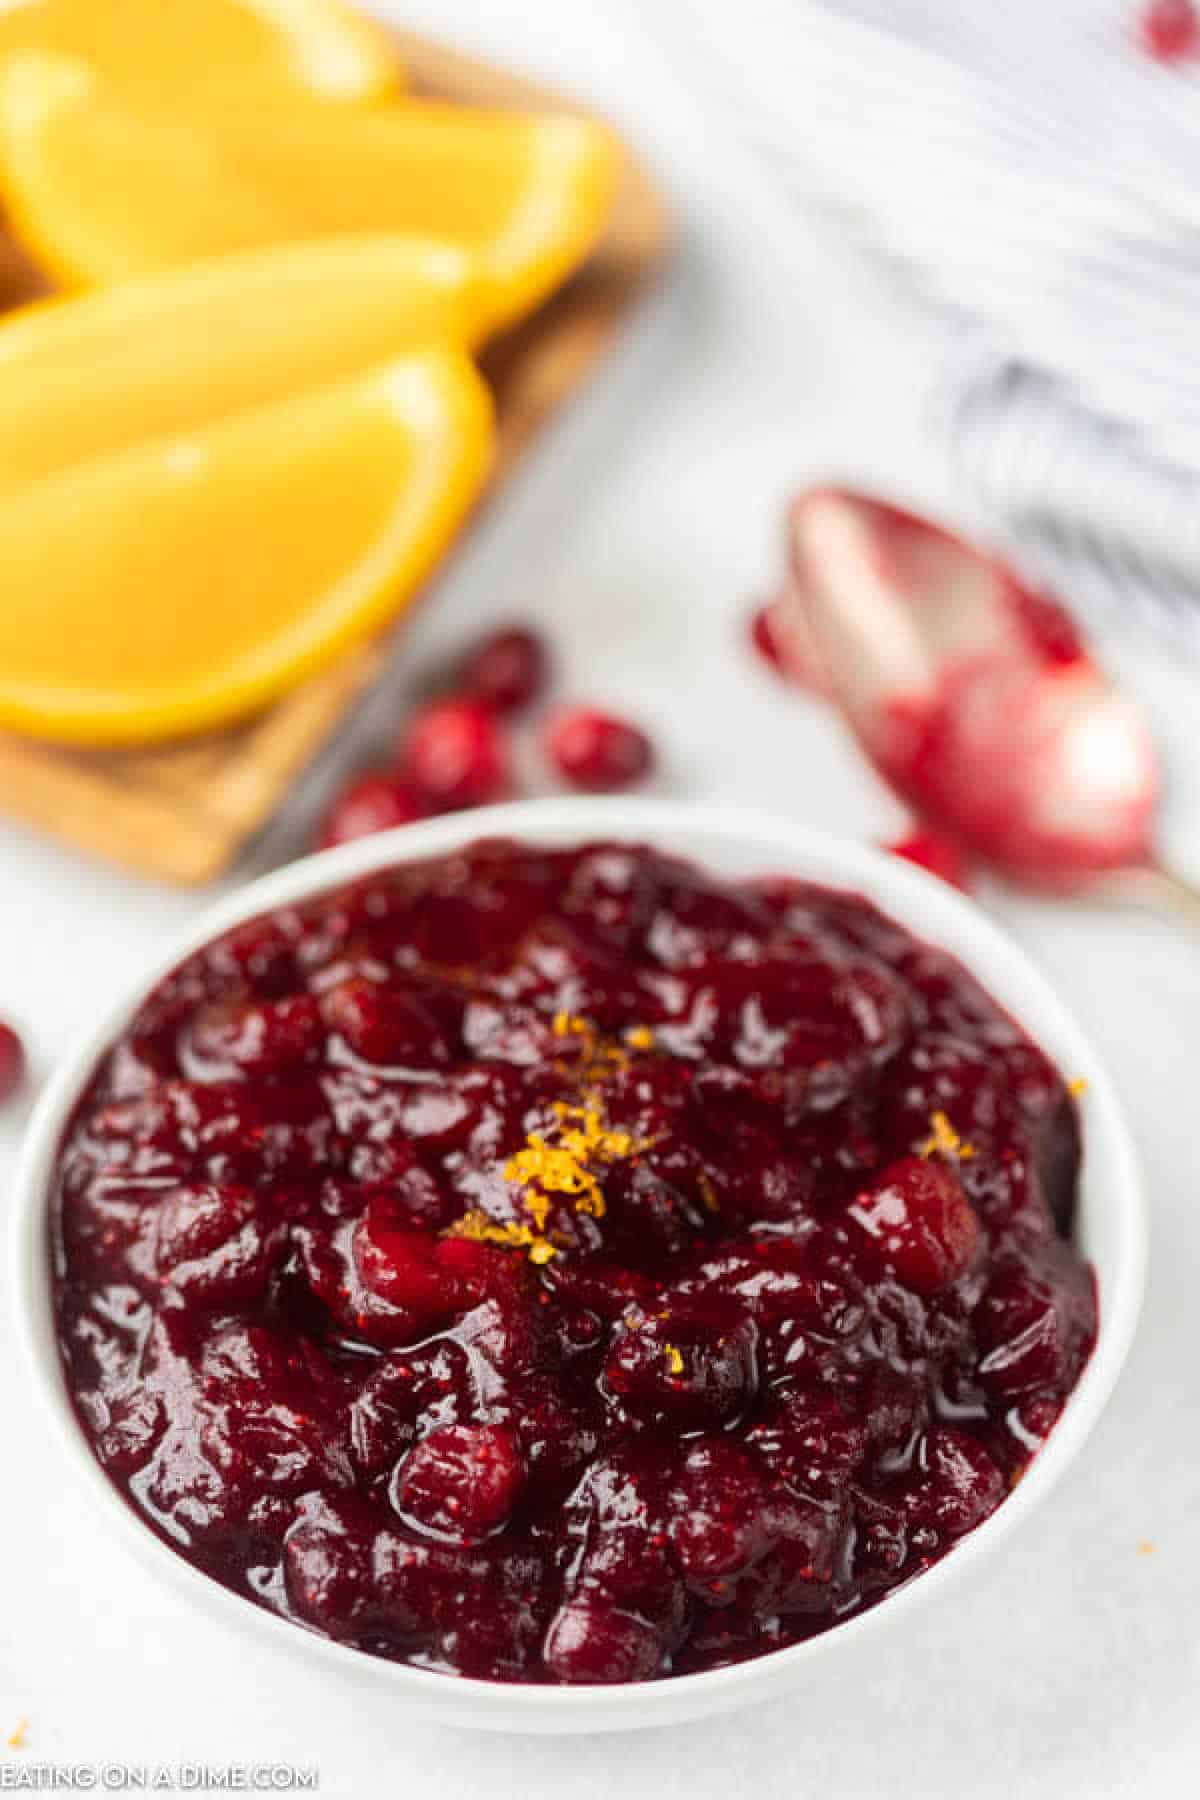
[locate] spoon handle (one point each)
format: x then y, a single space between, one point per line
1158 889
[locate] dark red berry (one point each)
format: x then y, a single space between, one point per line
507 670
919 1221
455 754
959 1484
591 1641
691 1366
384 1024
596 751
461 1482
373 802
1170 29
231 1038
12 1062
939 855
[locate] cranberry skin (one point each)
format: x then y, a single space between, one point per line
722 1516
402 1267
918 1221
12 1062
461 1482
591 1641
456 756
812 1444
214 1245
507 670
327 1565
690 1366
248 1040
937 855
597 751
959 1484
384 1025
373 802
1035 1323
1170 29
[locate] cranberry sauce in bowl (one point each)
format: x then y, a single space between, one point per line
566 1266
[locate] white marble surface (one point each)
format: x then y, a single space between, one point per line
1069 1666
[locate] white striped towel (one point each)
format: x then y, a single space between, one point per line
1032 172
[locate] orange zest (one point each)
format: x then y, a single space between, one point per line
943 1140
565 1160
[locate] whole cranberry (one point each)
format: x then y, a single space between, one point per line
239 1037
327 1563
1034 1322
690 1366
916 1218
1170 29
956 1484
936 854
722 1518
461 1481
597 751
372 802
213 1244
455 755
383 1024
12 1062
592 1641
507 670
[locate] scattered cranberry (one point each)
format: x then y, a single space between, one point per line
596 751
507 670
12 1062
1171 29
939 855
455 754
373 802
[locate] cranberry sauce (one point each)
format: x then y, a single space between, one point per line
568 1266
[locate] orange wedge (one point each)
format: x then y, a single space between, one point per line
101 192
173 352
189 51
184 582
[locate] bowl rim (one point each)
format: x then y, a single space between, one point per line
921 902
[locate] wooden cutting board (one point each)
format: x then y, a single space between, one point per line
183 811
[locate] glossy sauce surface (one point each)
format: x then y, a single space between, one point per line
569 1266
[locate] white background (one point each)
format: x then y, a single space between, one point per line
639 534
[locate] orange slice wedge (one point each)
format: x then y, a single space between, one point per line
102 192
199 50
172 352
182 583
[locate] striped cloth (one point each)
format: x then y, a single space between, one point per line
1030 171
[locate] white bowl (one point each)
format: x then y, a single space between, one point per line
1110 1231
